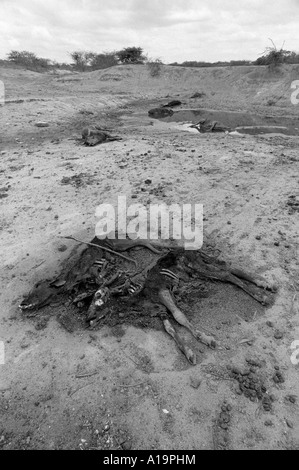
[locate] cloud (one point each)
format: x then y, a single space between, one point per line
175 30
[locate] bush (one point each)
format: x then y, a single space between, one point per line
273 57
195 63
84 60
29 60
154 67
131 55
104 60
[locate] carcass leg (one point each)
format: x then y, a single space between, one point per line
260 296
256 279
167 300
180 342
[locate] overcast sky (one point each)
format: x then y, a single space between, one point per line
173 30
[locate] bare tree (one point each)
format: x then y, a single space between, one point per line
82 59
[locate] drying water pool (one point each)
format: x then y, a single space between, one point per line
244 123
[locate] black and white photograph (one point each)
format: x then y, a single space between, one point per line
149 221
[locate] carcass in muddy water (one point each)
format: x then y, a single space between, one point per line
158 113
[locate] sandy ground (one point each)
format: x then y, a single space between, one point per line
138 390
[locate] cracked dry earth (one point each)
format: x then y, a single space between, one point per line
124 385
